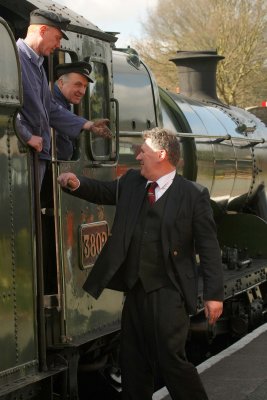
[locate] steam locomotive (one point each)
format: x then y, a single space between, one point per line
51 330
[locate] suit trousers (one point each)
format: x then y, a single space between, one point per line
154 332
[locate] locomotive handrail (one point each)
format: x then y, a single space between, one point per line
98 163
181 134
219 139
117 124
216 138
252 143
39 265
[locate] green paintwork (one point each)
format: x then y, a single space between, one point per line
18 342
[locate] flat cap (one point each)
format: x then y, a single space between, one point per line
80 67
45 17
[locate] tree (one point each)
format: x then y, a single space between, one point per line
236 28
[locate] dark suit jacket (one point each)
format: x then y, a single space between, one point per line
187 225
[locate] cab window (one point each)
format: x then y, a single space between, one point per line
99 147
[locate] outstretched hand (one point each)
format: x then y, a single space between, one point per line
100 128
68 180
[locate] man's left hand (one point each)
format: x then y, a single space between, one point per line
213 309
68 180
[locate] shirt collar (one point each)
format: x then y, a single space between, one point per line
33 55
61 98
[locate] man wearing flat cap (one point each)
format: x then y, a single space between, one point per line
40 111
70 88
49 18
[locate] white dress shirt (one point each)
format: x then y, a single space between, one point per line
164 182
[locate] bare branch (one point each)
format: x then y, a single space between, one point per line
236 28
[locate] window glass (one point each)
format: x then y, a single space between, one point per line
99 107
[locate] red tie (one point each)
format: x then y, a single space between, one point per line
151 192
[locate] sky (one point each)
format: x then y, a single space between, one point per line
122 16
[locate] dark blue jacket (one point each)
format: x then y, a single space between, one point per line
40 110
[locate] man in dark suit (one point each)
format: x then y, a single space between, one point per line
150 254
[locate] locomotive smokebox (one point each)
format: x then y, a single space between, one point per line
197 74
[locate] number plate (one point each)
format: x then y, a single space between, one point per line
92 239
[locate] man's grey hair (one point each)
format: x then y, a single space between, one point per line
164 139
64 78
